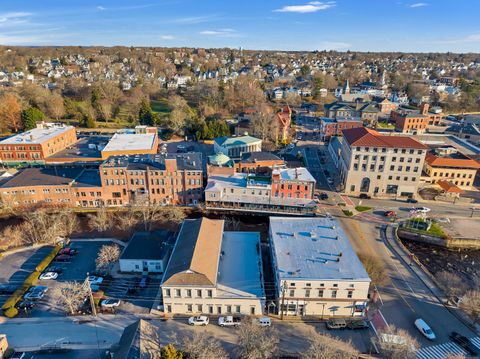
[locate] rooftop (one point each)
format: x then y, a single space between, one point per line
451 160
240 250
314 248
366 137
220 159
50 176
294 174
37 135
236 141
130 142
254 157
149 245
86 148
185 161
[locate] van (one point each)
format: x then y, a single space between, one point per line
425 329
339 323
264 322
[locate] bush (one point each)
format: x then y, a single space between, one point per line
48 259
363 208
347 213
97 297
11 312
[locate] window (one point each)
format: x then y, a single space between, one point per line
178 293
189 308
199 308
229 308
307 293
167 293
169 308
210 309
392 168
334 294
237 309
350 294
292 293
320 293
209 293
189 293
335 285
199 293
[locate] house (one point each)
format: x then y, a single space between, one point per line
234 147
467 131
316 270
212 271
147 252
284 120
333 127
378 164
415 121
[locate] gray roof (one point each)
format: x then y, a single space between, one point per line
253 157
235 141
185 161
149 245
313 249
51 176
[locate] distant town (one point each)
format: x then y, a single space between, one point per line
230 203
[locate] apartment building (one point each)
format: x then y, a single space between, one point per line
37 144
162 179
235 147
165 179
446 163
374 164
414 121
360 110
284 190
212 271
333 127
316 270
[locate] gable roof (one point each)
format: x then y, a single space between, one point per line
195 258
362 136
449 187
437 161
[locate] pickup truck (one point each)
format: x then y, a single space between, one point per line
229 321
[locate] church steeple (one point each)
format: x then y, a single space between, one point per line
346 88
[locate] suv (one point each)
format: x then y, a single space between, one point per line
336 324
364 196
200 320
357 324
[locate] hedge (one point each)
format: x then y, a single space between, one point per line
9 306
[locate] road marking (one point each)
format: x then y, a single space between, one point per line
440 351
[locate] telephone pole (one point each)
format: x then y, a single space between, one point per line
90 295
282 306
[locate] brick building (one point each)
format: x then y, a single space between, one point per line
163 179
284 120
333 127
37 144
360 110
414 121
143 143
258 162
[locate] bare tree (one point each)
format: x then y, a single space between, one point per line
324 346
108 255
256 342
70 296
470 304
10 112
41 226
396 343
231 224
126 220
13 236
375 268
105 109
263 122
102 220
173 214
202 346
54 105
452 285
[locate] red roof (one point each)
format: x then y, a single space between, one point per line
449 187
436 161
362 136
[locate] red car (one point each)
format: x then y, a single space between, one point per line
68 251
63 258
389 213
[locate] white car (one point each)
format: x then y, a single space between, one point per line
420 210
264 322
199 320
329 180
95 280
110 303
48 275
425 329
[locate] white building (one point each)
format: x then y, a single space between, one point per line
214 272
316 270
234 147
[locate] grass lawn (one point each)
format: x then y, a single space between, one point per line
160 106
384 124
434 230
363 208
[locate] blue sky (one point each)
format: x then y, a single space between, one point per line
364 25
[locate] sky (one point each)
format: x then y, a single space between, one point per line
357 25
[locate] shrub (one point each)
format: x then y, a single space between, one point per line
363 208
347 213
11 312
97 297
48 259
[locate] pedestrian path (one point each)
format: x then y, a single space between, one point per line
441 351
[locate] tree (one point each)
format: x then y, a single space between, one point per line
55 106
169 352
30 117
263 122
10 112
148 212
41 226
396 343
375 268
126 220
324 346
470 304
108 255
101 220
452 285
173 214
256 342
70 296
145 114
202 346
13 236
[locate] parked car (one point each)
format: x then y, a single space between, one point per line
68 250
420 210
35 292
425 329
264 322
7 288
329 180
94 280
364 196
411 200
229 321
110 303
389 213
48 275
18 355
58 270
338 323
63 258
358 324
143 281
25 305
198 320
465 343
323 196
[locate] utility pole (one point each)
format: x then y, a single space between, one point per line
90 295
282 306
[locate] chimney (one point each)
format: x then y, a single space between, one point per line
424 108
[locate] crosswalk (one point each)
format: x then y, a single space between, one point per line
441 351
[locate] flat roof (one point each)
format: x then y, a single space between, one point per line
51 176
236 141
240 267
149 245
36 136
132 142
84 148
313 249
299 173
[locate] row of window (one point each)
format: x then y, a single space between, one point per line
382 158
452 175
229 309
188 293
320 294
382 167
383 149
151 173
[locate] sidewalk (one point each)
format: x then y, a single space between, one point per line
422 273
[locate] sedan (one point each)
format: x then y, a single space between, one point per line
94 280
420 210
199 320
63 258
329 180
323 196
110 303
390 213
48 275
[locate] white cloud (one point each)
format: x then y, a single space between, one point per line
189 20
418 4
167 37
101 8
334 45
312 6
220 32
13 17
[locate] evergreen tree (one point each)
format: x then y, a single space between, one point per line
146 114
30 117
